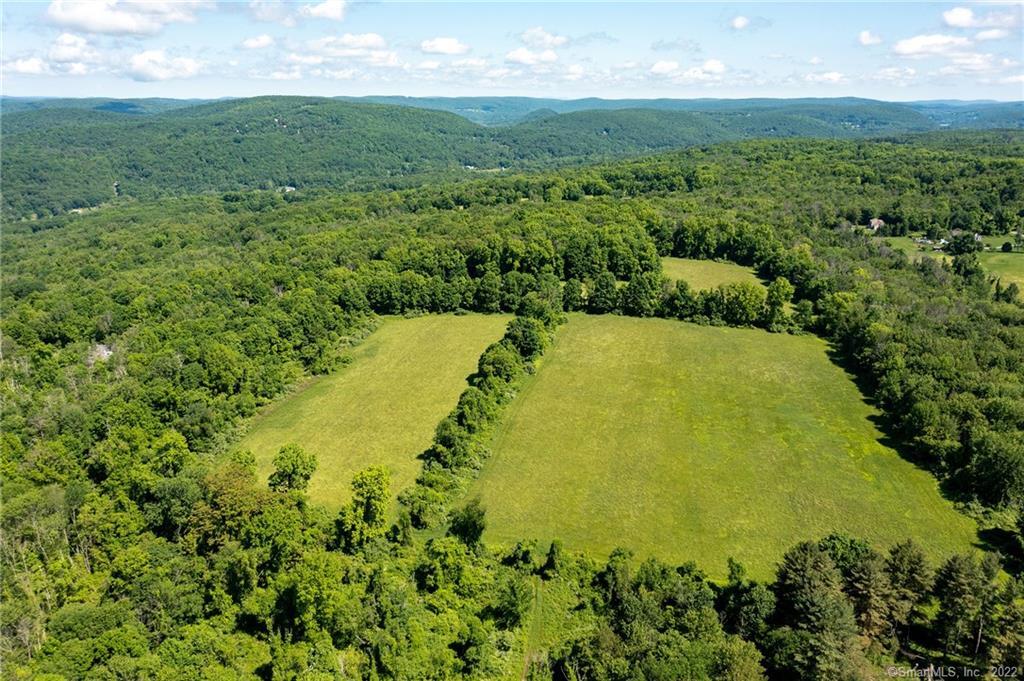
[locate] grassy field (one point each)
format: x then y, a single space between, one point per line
706 274
690 442
1008 266
383 407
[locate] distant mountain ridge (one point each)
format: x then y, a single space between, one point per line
64 154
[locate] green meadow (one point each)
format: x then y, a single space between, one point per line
706 274
691 442
1009 267
382 408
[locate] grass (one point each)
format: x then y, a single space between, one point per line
380 409
1009 267
706 274
689 442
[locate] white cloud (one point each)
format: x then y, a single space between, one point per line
816 60
574 72
307 59
385 58
538 37
739 23
829 77
866 37
328 9
964 17
895 74
275 11
522 55
294 73
428 65
663 68
992 34
257 43
68 48
336 74
344 44
469 64
713 66
444 46
1010 80
121 17
930 45
710 70
153 65
31 66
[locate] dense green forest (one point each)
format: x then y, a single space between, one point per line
62 155
138 543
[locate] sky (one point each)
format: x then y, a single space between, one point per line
614 50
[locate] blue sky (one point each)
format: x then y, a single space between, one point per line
202 48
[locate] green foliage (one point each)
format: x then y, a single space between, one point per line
293 467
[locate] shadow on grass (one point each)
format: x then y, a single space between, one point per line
889 435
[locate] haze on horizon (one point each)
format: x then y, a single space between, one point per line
206 49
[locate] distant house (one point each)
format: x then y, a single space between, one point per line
876 224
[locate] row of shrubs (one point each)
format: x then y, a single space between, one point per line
459 447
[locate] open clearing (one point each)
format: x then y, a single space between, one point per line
706 274
1009 267
690 442
380 409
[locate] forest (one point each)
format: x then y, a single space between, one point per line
62 155
140 338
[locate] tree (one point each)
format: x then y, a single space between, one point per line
528 336
642 295
365 518
605 297
572 296
780 292
468 523
910 581
810 601
293 467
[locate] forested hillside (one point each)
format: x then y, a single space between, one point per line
138 542
62 155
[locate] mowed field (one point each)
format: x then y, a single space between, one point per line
706 274
690 442
1009 267
380 409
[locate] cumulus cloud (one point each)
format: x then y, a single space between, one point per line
275 11
740 22
575 72
349 44
964 17
930 45
829 77
663 68
152 65
992 34
121 17
444 46
69 48
897 75
538 37
711 70
258 42
328 9
816 60
428 65
866 37
527 57
30 66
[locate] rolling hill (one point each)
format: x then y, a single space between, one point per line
67 154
